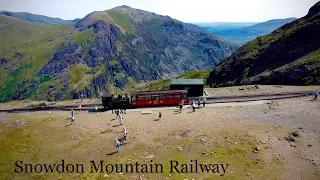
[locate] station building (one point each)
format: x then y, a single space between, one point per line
195 87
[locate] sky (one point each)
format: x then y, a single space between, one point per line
183 10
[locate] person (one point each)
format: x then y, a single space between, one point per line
204 101
117 113
180 106
199 103
117 145
79 107
160 114
96 108
193 107
316 95
182 102
120 118
125 133
72 116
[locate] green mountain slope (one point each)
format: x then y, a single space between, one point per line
289 56
24 48
107 51
34 17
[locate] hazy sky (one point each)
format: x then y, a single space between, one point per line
183 10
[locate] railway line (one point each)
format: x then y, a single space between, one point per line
210 100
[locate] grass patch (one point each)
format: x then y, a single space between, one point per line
77 73
84 36
123 20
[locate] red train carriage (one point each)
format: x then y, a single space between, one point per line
153 98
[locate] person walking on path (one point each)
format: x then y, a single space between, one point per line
160 114
199 103
316 93
125 133
180 106
204 101
72 116
120 117
117 145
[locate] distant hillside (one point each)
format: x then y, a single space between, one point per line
216 27
105 52
35 18
245 34
289 55
75 20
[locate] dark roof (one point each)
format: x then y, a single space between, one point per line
159 92
187 82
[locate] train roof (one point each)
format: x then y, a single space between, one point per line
159 92
186 82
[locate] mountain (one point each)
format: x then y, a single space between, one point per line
217 27
105 52
245 34
75 20
289 55
34 17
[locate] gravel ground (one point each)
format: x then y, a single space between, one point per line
263 89
267 123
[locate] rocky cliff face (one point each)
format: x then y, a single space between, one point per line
289 55
111 51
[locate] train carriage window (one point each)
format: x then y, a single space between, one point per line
169 96
163 96
155 97
133 98
148 97
140 98
178 96
184 95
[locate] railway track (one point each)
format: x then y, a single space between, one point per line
210 100
258 97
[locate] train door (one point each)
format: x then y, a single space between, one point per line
148 100
177 98
170 99
185 98
140 100
155 99
163 99
133 101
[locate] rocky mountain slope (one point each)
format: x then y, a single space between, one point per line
105 52
289 55
36 18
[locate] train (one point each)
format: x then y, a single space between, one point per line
145 99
